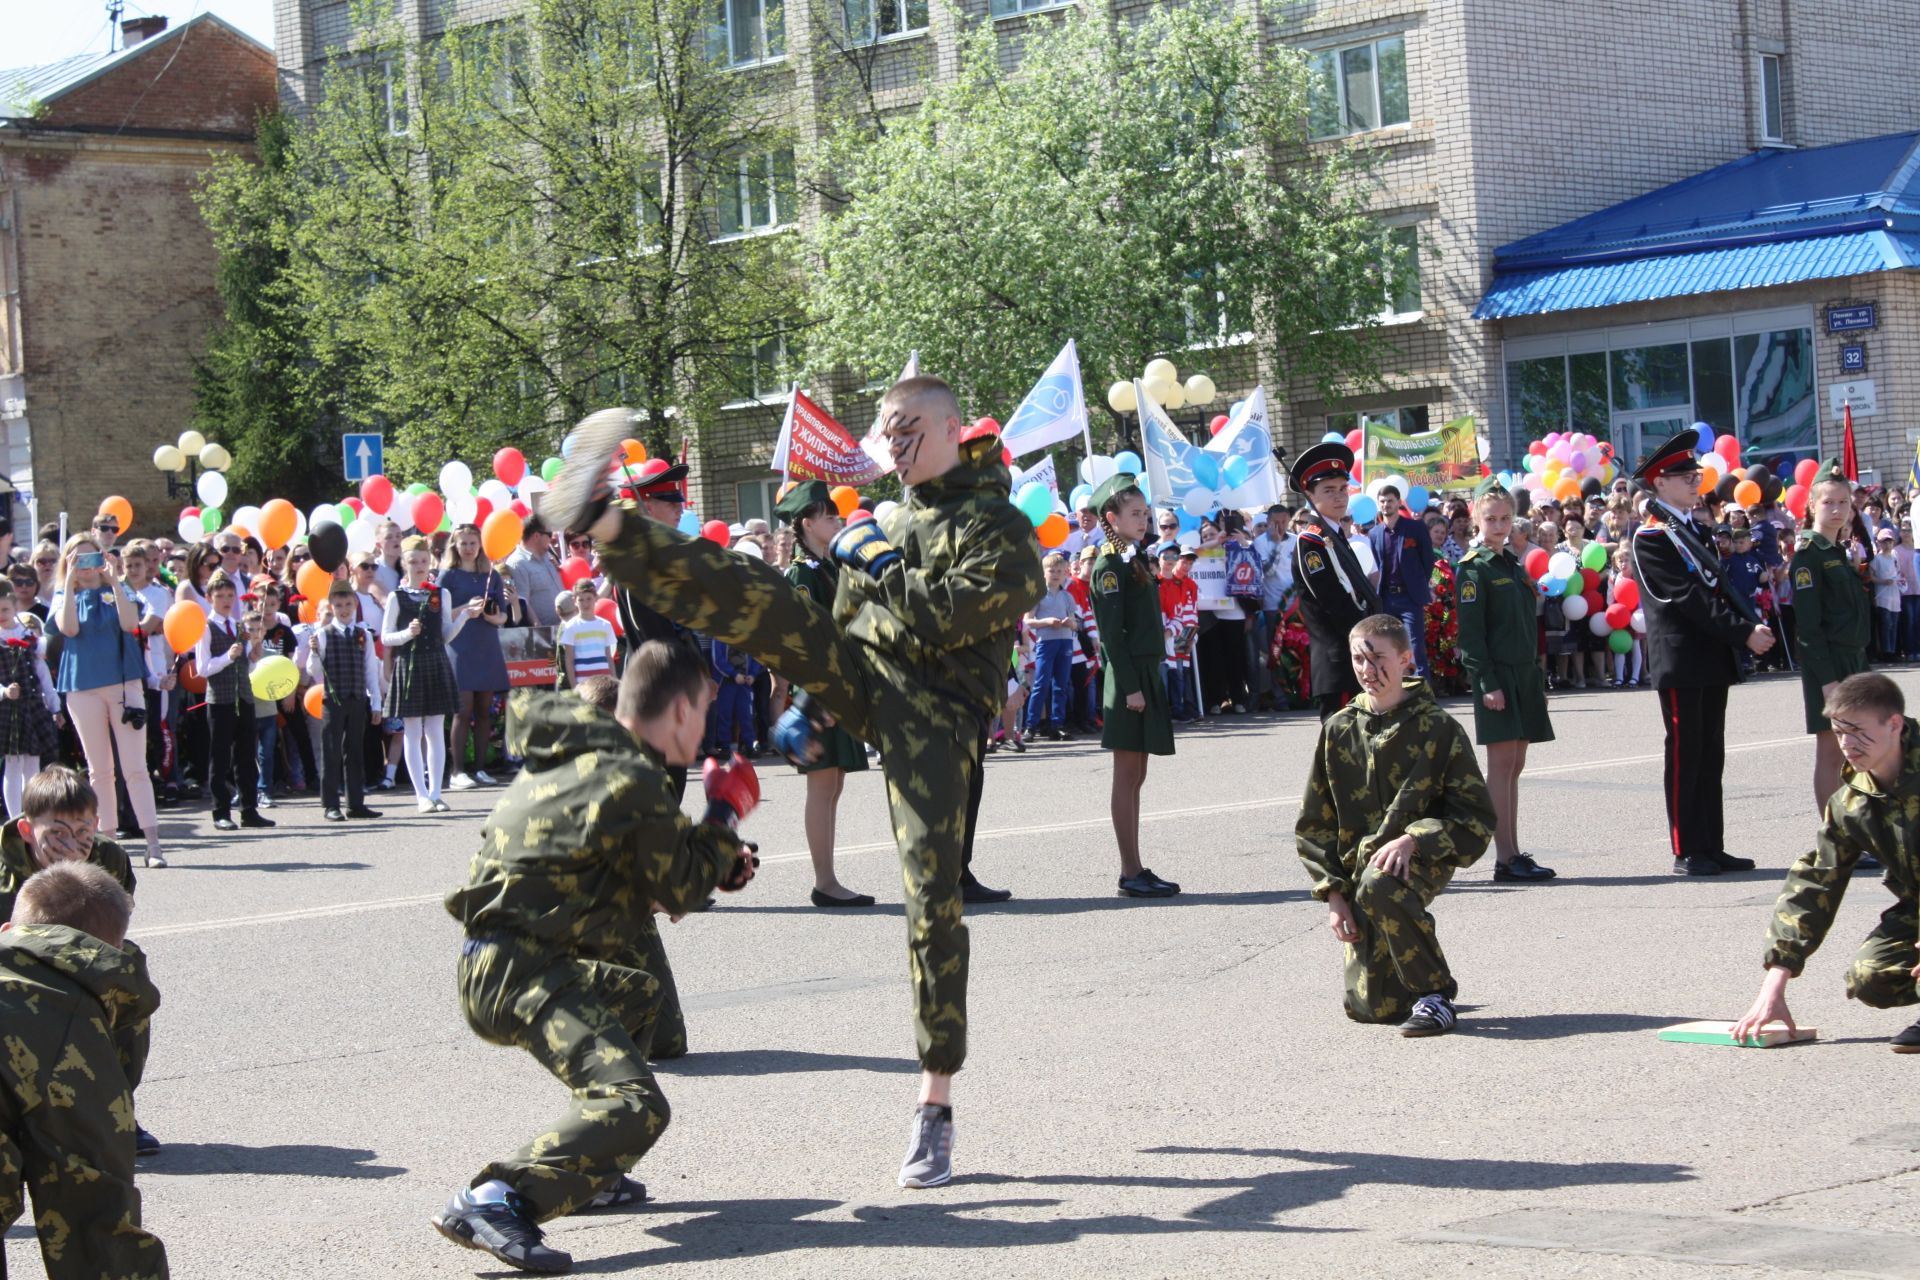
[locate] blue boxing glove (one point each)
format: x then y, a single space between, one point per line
797 737
864 547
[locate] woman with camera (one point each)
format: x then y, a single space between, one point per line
101 669
479 668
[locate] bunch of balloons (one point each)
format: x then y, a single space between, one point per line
1576 582
1722 475
1567 465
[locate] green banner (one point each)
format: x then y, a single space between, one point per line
1447 458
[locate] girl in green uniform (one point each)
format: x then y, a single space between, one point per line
1126 607
1833 618
1497 649
808 508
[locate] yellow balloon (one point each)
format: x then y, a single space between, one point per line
1159 369
1200 389
1120 398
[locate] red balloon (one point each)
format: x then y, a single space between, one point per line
1218 424
482 508
1006 456
521 509
1618 616
1537 448
651 468
1589 579
357 505
1626 592
1804 472
377 493
1536 565
1594 603
575 568
1729 448
1355 438
715 531
859 515
1797 496
429 509
608 612
510 465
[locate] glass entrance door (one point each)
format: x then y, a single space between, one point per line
1634 434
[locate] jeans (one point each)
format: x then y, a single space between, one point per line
1889 627
1415 618
1179 690
1052 682
1910 625
266 738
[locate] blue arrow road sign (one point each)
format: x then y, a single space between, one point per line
364 454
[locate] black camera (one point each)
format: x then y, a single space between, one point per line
133 717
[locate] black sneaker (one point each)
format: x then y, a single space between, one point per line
577 496
626 1191
255 820
1147 885
1907 1041
1522 868
1697 864
1432 1016
363 812
1730 863
506 1230
144 1143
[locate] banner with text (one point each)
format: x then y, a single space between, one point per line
1446 458
812 446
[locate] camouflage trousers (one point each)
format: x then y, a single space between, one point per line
590 1023
1881 975
926 740
1398 958
669 1025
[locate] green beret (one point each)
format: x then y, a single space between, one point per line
1112 487
1830 470
803 494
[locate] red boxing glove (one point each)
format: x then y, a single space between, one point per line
733 790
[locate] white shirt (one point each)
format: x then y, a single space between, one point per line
155 599
1886 582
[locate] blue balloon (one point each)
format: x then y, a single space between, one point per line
1705 432
1234 471
1128 463
1035 501
1416 499
566 446
1363 509
1206 469
1333 437
1188 524
1080 494
689 523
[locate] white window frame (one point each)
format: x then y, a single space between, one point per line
1773 107
1335 54
777 200
390 81
763 45
768 490
903 10
1001 9
774 367
1389 313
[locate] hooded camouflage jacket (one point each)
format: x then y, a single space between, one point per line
587 838
1861 818
1377 776
16 864
66 1114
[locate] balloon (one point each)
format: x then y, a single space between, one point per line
377 493
316 702
1053 531
495 493
212 488
1576 608
521 509
1627 592
274 677
1363 509
1589 580
211 520
428 511
183 626
551 468
1640 621
248 518
120 509
1577 460
500 535
1804 472
715 531
885 509
1097 470
608 612
329 548
575 568
1562 564
509 465
1597 623
1081 493
1594 603
1593 556
1709 480
1567 489
1705 432
855 518
689 523
278 520
1797 501
1034 500
632 452
1121 399
1333 437
323 515
401 512
1197 502
1729 449
1760 473
1536 562
1206 469
360 536
532 485
456 477
845 500
1618 616
566 445
1234 471
1128 463
1218 424
1746 493
1200 390
191 443
215 458
461 508
482 509
1417 499
190 529
1354 439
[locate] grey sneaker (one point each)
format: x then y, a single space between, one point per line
929 1160
507 1231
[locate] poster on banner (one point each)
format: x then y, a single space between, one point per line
1210 575
1248 436
873 444
1042 472
812 446
531 657
1445 458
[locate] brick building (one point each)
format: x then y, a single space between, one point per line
106 267
1493 121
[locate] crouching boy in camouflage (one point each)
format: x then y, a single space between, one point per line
1876 810
66 1108
912 658
574 859
1395 804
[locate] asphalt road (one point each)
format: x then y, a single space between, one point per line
1155 1089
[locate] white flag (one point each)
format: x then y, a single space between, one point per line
1166 452
1055 410
1042 473
872 444
1249 436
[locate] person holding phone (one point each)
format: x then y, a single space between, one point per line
479 668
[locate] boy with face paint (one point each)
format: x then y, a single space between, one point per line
1379 855
911 658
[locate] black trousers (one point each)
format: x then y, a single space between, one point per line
975 787
233 758
342 731
1696 725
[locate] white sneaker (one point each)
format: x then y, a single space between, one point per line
484 778
426 805
155 860
461 782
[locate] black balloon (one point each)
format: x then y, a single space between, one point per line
329 546
1724 490
1590 487
1759 473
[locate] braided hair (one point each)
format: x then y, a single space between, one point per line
1117 545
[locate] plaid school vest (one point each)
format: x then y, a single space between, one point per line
343 659
223 686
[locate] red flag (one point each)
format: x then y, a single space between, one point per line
1849 460
812 446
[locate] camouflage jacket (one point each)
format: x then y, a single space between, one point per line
1377 776
587 838
16 864
64 1099
1861 817
948 611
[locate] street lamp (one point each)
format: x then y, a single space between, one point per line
182 464
1161 381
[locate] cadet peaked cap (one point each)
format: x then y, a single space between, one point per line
655 479
1329 458
1678 456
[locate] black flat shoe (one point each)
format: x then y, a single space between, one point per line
829 902
1730 863
363 812
1146 885
255 820
973 891
1522 868
1697 864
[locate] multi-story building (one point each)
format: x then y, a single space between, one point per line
1515 141
106 266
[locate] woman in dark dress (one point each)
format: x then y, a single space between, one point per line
479 668
420 620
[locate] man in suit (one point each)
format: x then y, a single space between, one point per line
1696 628
1404 551
1334 591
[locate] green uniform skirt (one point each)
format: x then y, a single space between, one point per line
839 750
1151 730
1525 719
1846 662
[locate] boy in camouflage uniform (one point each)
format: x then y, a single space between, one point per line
1395 804
66 1107
586 844
1876 810
911 658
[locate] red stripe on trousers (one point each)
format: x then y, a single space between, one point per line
1672 697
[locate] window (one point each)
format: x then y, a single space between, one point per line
393 95
649 195
1400 270
748 31
1006 8
754 500
1411 420
758 195
1358 88
1773 121
872 20
764 370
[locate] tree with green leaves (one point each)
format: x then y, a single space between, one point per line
1141 186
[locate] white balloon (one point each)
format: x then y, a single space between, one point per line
1562 565
360 536
531 485
191 530
1598 625
751 549
191 443
1639 622
885 509
401 512
299 524
212 488
1197 502
1099 470
247 517
462 507
323 515
1575 607
456 478
497 493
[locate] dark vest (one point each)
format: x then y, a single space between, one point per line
223 686
343 658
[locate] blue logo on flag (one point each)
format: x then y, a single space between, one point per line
1050 400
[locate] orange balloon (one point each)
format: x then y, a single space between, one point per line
501 534
1746 493
845 499
1709 480
278 520
312 581
120 509
1567 490
1053 530
309 609
633 451
183 626
316 702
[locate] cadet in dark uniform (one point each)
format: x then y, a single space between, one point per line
656 490
1497 648
1126 607
1695 628
1334 590
1833 617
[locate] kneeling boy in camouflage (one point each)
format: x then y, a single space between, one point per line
585 845
1395 804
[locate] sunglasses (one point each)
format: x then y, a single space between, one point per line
580 542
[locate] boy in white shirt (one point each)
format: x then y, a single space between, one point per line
588 642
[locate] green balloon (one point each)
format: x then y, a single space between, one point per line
416 489
1594 557
1576 585
1620 641
347 515
551 468
446 524
211 520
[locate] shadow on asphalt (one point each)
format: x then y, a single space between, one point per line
1052 906
1560 1026
303 1160
780 1062
270 866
